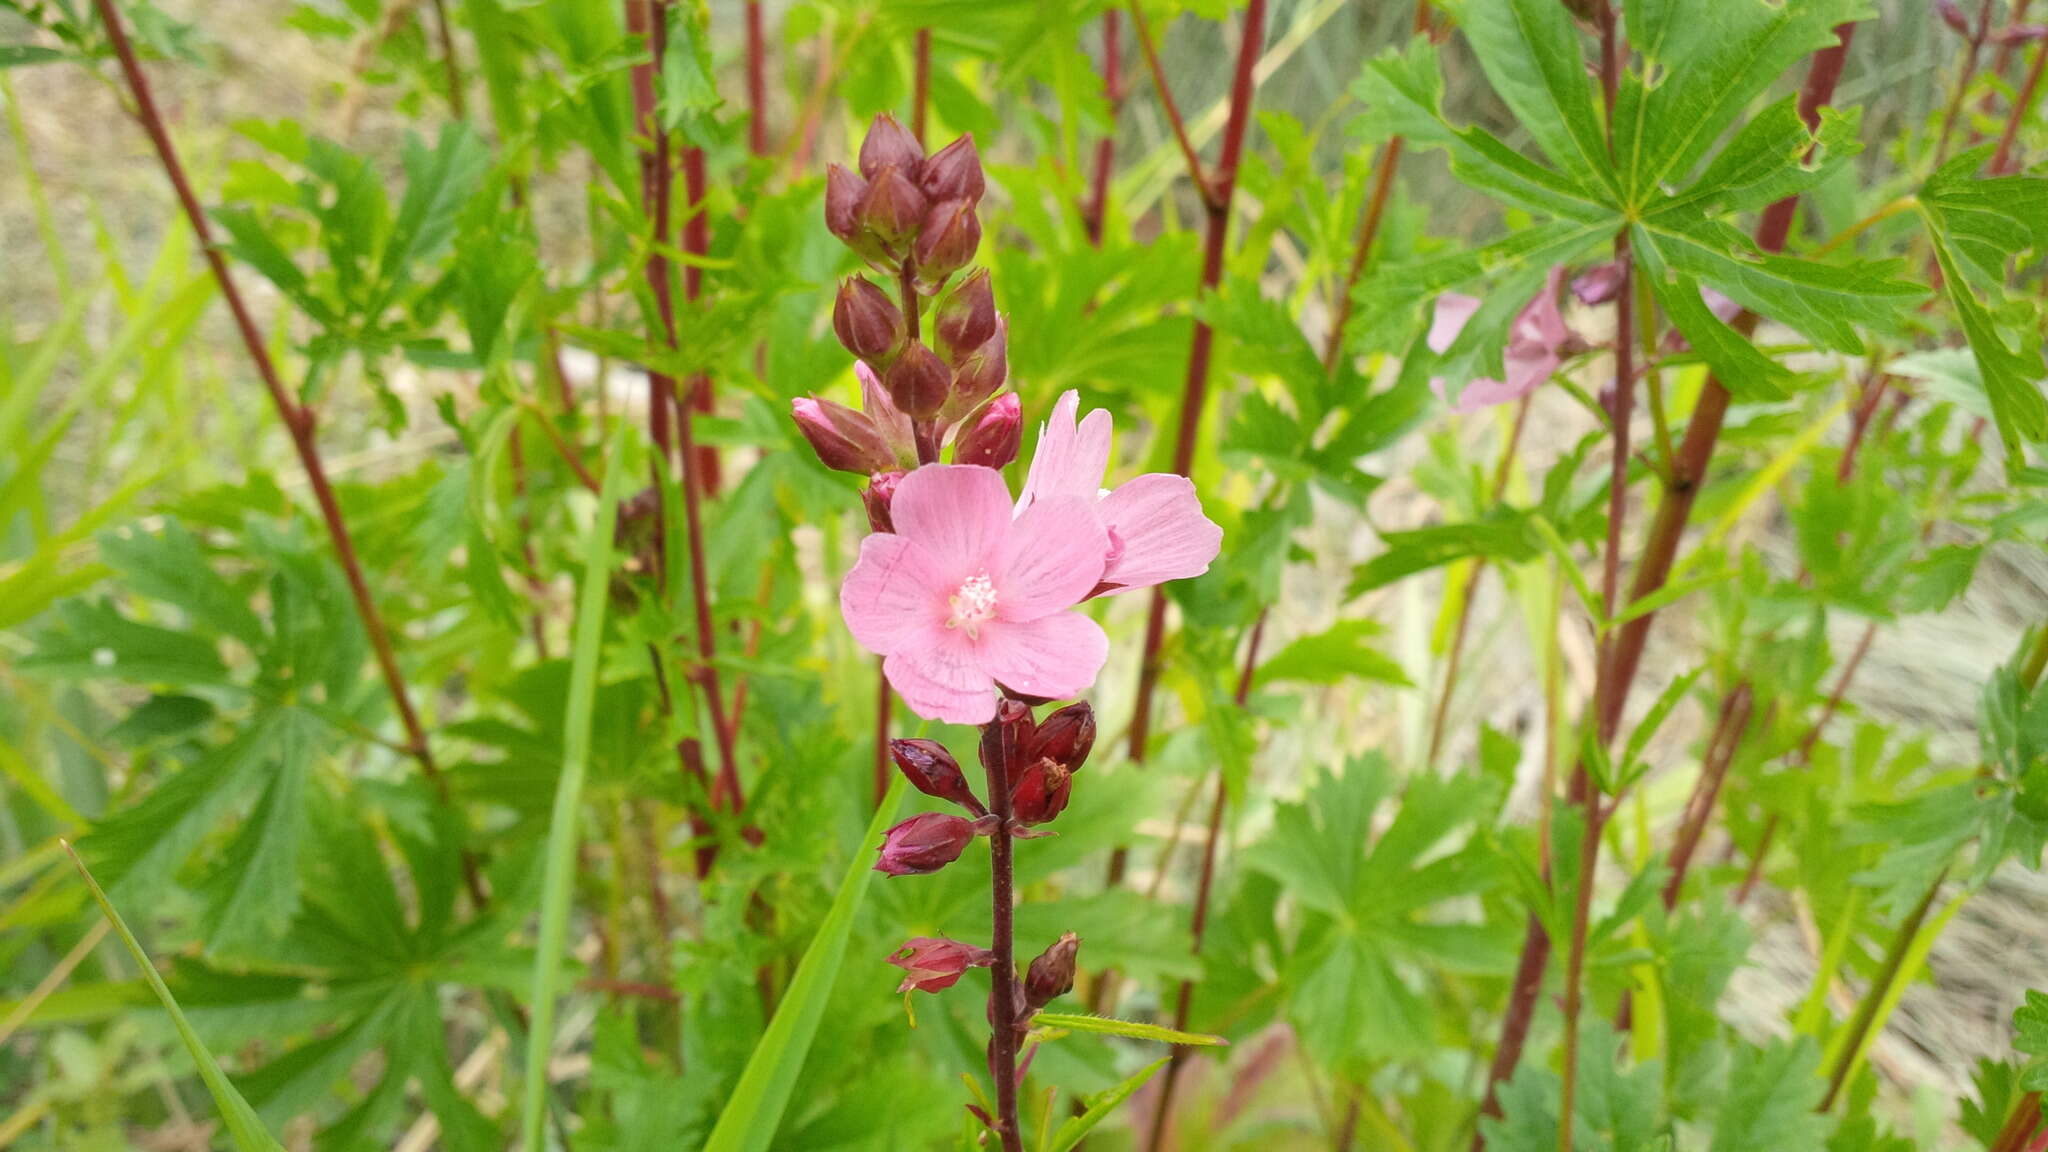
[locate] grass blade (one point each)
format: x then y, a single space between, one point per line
243 1127
755 1107
1101 1106
562 823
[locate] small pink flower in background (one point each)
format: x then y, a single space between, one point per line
1537 343
934 962
1156 528
924 844
963 597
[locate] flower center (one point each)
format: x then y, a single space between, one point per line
973 604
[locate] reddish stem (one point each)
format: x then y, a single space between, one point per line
757 82
1368 232
1194 397
1172 110
449 64
2002 160
1003 1005
1204 887
1653 568
1096 209
1978 34
299 422
2020 1126
1727 737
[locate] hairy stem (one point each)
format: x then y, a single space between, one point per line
299 422
1003 1006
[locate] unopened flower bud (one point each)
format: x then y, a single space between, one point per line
889 419
1066 737
2021 34
1952 15
992 436
887 143
1039 793
966 318
869 324
979 375
1051 975
947 239
876 496
954 172
844 192
918 382
932 963
933 771
844 439
893 208
924 844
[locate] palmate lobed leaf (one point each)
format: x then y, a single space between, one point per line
1978 227
1705 62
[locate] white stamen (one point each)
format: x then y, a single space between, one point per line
973 605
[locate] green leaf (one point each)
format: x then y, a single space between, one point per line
142 846
1506 536
1105 1026
1100 1105
1977 227
1330 657
1827 302
92 640
1705 62
1530 52
244 1129
2030 1021
438 182
1772 1099
256 889
564 823
753 1111
170 567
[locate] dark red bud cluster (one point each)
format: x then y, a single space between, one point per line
904 206
915 218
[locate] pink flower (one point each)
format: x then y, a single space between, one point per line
1537 343
1156 528
934 962
963 597
924 844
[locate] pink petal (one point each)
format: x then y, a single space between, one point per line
1157 531
1053 558
1053 656
1070 458
959 512
892 594
940 676
1453 310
